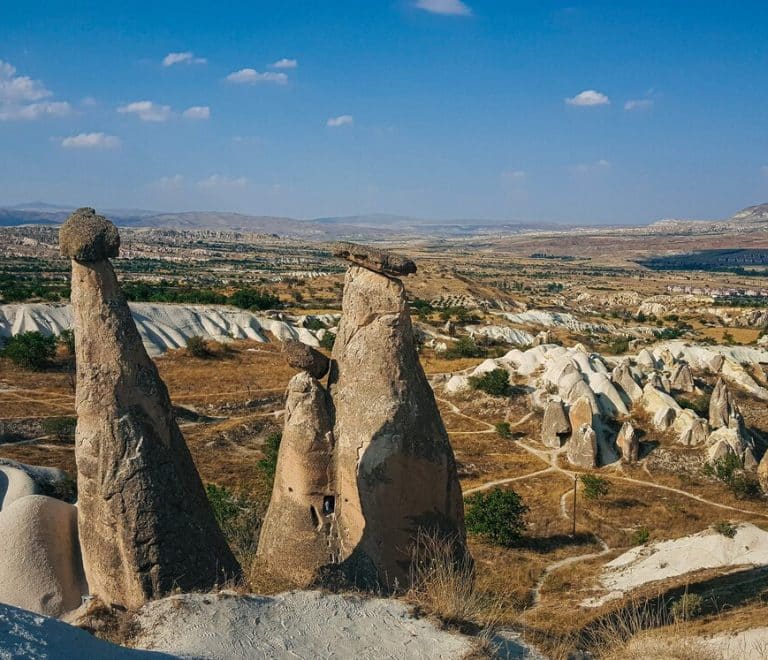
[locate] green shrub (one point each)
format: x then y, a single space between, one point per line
268 464
725 528
327 341
63 428
641 536
504 430
313 323
595 487
686 607
67 338
239 518
743 485
254 299
30 350
495 383
197 347
497 516
464 347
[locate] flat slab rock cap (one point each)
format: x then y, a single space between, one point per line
88 237
306 358
374 259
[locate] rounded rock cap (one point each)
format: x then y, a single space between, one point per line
86 236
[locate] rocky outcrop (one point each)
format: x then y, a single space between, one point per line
298 535
628 443
555 426
389 436
41 568
582 447
682 378
378 261
146 526
300 356
721 406
732 439
622 377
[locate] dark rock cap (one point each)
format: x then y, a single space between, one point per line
374 259
86 237
306 358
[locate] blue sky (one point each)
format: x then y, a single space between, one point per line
592 112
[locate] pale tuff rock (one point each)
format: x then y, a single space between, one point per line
628 443
543 337
300 356
721 406
692 430
625 381
146 526
555 425
582 447
22 479
298 535
389 436
732 439
581 412
41 568
378 261
682 378
645 359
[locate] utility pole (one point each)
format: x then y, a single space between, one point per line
574 506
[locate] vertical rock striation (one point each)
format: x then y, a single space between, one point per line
145 523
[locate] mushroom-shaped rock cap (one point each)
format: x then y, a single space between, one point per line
86 236
306 358
373 259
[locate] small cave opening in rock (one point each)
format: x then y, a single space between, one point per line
329 505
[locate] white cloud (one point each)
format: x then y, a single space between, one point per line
341 120
251 77
586 168
587 98
91 141
187 57
170 183
147 110
220 181
21 97
514 175
285 63
197 112
638 104
445 7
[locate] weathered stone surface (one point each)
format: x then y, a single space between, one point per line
646 359
732 439
582 412
46 481
146 526
396 470
582 447
298 535
88 237
374 259
306 358
721 406
682 378
628 443
41 570
623 379
555 425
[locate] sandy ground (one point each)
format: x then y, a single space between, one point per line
744 645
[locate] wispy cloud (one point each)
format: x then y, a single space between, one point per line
586 168
197 112
285 63
170 183
251 77
186 57
91 141
341 120
444 7
220 181
638 104
21 97
147 110
588 97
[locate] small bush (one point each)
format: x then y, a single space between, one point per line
239 518
595 488
641 536
497 516
268 464
495 383
686 607
67 338
743 485
30 350
725 528
328 340
197 347
464 347
62 428
504 430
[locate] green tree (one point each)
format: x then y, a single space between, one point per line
497 516
464 347
328 340
595 488
503 429
268 464
67 338
30 350
495 383
196 347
